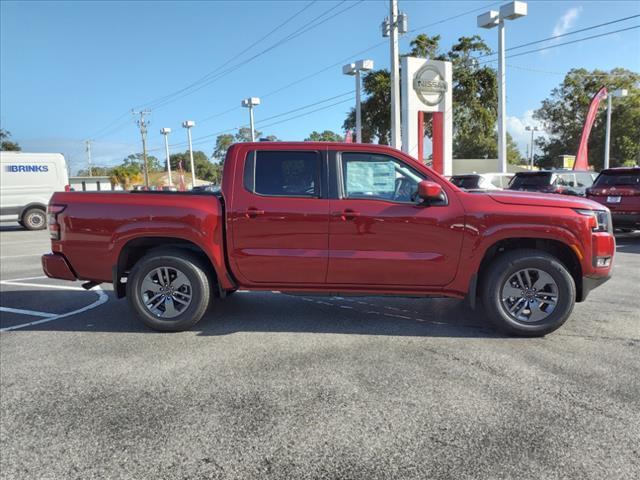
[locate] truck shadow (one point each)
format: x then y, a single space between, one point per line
12 228
628 242
267 312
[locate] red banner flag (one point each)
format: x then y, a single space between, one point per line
582 158
348 138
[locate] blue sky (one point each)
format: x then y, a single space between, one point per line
73 70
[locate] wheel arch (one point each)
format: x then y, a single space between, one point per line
560 250
138 247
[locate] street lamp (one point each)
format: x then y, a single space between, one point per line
532 130
355 69
250 103
607 139
189 124
490 19
166 131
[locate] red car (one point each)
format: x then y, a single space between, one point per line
619 190
334 218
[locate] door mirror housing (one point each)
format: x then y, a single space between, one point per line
429 191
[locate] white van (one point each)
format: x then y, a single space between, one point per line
27 181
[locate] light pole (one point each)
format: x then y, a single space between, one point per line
250 103
355 69
166 131
607 139
189 124
394 25
532 130
490 19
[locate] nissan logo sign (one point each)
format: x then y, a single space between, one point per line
429 85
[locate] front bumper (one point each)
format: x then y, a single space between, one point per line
56 266
589 283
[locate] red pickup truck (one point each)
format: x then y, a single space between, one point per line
339 219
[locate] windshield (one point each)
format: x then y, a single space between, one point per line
531 180
466 181
630 179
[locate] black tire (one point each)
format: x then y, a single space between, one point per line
503 269
34 219
176 260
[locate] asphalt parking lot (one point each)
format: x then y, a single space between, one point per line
273 386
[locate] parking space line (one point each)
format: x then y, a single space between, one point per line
20 256
32 313
25 284
102 298
25 278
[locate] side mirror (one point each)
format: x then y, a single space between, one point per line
428 190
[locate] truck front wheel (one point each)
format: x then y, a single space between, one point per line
169 290
528 293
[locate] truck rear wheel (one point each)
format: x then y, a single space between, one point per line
528 293
169 290
34 219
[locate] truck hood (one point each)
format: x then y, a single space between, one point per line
510 197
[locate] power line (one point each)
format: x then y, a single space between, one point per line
305 28
554 37
260 123
322 70
232 58
588 74
347 58
565 43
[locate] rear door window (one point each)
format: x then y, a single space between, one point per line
283 173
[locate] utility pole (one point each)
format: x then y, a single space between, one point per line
395 74
392 26
142 124
88 149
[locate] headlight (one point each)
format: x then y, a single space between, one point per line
601 219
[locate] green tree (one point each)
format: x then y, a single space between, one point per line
223 142
376 109
563 116
424 46
244 134
326 136
474 92
95 171
126 175
7 145
514 156
205 170
137 160
271 138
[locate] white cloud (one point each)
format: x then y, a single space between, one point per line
516 126
566 21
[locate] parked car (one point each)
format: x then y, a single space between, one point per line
619 190
334 218
26 184
567 182
482 181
